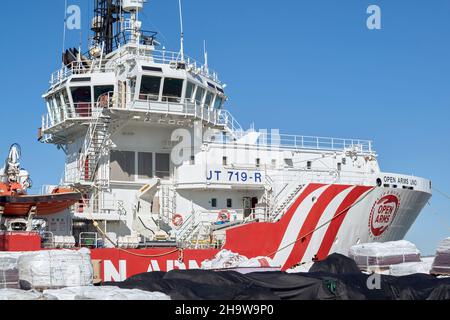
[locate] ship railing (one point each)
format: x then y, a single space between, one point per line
299 142
89 240
305 176
176 60
77 111
47 240
103 207
81 67
170 105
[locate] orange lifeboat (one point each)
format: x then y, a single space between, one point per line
20 205
15 202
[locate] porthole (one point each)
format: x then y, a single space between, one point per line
379 182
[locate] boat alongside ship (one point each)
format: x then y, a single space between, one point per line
160 176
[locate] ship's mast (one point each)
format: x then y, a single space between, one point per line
106 23
110 26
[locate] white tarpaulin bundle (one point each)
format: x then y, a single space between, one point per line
226 259
441 264
103 293
55 269
9 274
383 255
409 268
15 294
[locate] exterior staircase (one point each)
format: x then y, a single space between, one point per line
285 203
168 202
96 138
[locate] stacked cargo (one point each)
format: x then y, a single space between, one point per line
379 257
441 264
9 274
55 269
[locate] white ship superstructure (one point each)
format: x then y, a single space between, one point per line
159 159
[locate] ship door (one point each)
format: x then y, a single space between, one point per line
254 203
247 205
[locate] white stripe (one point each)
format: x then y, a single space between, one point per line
295 225
318 236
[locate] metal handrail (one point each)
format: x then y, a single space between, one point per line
90 236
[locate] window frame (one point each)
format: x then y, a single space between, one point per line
173 99
150 96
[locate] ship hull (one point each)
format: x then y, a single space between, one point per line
324 219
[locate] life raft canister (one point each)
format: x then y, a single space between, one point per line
177 220
224 216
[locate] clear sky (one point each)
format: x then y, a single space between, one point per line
304 66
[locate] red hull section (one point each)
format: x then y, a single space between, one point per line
20 205
118 265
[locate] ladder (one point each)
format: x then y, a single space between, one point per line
94 144
281 208
168 202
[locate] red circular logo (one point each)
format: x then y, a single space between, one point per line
383 213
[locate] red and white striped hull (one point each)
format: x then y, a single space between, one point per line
324 219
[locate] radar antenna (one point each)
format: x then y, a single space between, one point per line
106 23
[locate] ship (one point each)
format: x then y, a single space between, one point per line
168 178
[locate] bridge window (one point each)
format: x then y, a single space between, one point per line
162 165
208 100
213 203
218 102
229 203
190 90
101 90
150 87
173 89
199 95
82 100
122 165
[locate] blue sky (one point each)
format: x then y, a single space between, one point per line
306 67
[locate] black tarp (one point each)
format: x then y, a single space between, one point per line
336 278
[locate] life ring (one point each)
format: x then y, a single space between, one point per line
177 220
224 216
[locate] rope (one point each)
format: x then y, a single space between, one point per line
300 238
438 217
442 193
99 229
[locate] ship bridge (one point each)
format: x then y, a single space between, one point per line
136 82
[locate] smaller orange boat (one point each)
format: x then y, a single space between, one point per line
15 202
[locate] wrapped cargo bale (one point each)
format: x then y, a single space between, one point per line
55 269
380 256
441 263
103 293
226 259
15 294
9 273
409 268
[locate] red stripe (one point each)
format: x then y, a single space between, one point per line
335 225
286 219
264 238
311 222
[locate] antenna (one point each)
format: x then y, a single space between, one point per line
182 31
64 30
206 55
